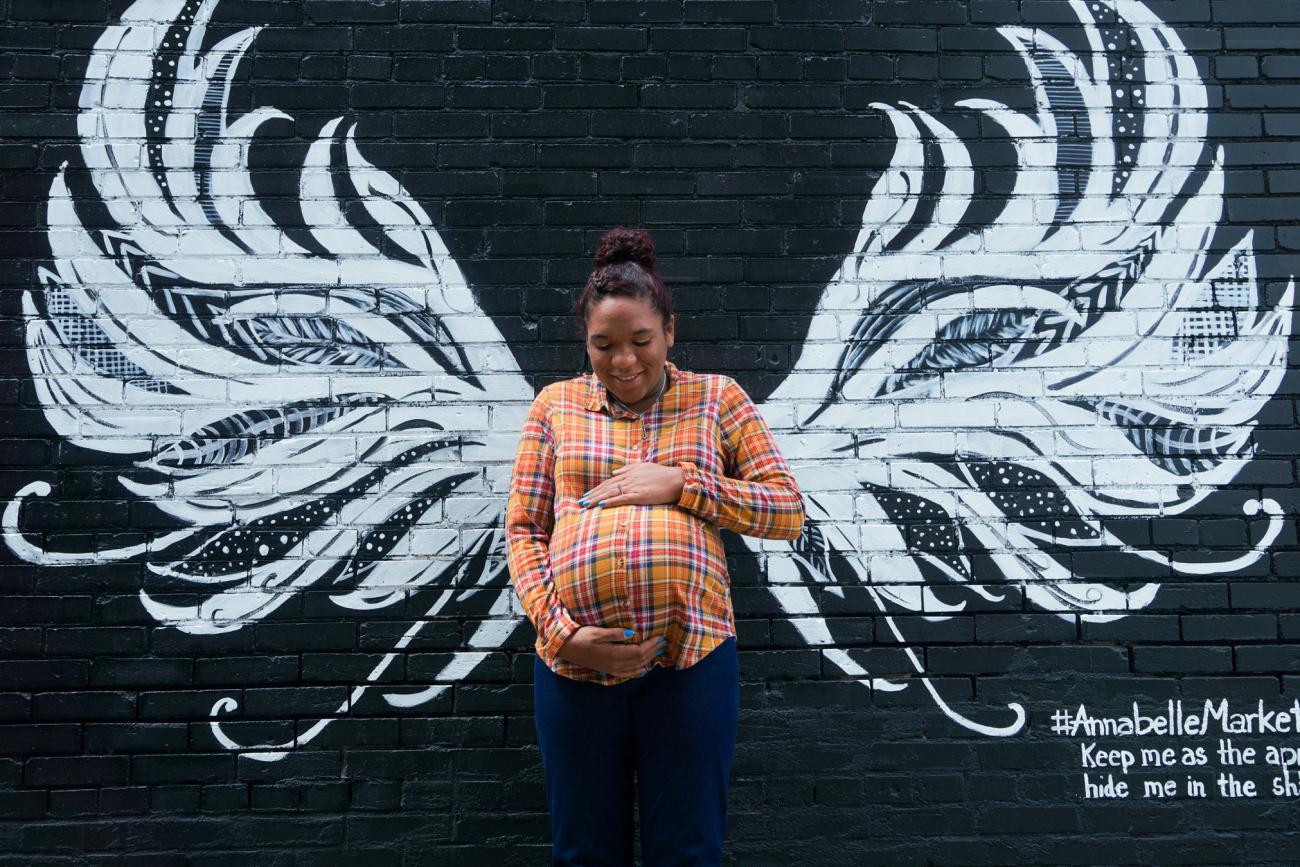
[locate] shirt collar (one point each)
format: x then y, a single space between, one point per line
598 395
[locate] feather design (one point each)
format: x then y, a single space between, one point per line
315 340
1180 448
235 437
290 398
1071 362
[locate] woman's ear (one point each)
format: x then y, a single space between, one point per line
670 328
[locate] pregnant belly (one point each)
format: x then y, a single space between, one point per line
606 563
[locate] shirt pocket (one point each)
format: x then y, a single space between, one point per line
696 441
581 463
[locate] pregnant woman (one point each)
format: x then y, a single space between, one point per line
620 485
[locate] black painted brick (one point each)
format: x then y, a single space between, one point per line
1182 659
1229 627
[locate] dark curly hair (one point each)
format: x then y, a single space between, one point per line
624 264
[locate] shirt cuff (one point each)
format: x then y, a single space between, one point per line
693 497
561 629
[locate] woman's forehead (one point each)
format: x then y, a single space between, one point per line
624 311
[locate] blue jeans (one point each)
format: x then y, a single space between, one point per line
674 730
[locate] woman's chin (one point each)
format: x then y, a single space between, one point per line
629 392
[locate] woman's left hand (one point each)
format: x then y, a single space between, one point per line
645 484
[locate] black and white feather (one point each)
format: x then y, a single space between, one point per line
1007 388
293 399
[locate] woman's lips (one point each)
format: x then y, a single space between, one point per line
633 381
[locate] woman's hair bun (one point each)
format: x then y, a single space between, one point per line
626 244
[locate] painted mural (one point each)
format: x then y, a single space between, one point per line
304 401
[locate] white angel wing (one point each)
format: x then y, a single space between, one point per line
1008 388
308 405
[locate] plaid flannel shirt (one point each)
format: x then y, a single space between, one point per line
657 569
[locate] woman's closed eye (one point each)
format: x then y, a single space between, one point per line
637 343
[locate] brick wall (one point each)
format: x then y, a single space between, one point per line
1009 280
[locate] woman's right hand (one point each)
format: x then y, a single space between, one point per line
609 651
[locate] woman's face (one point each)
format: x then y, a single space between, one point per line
628 343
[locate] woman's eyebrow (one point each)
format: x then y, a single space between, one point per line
638 331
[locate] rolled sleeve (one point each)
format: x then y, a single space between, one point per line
530 518
761 498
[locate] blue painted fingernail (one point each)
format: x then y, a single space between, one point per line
582 502
627 633
601 503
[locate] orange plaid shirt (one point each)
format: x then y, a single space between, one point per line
657 569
